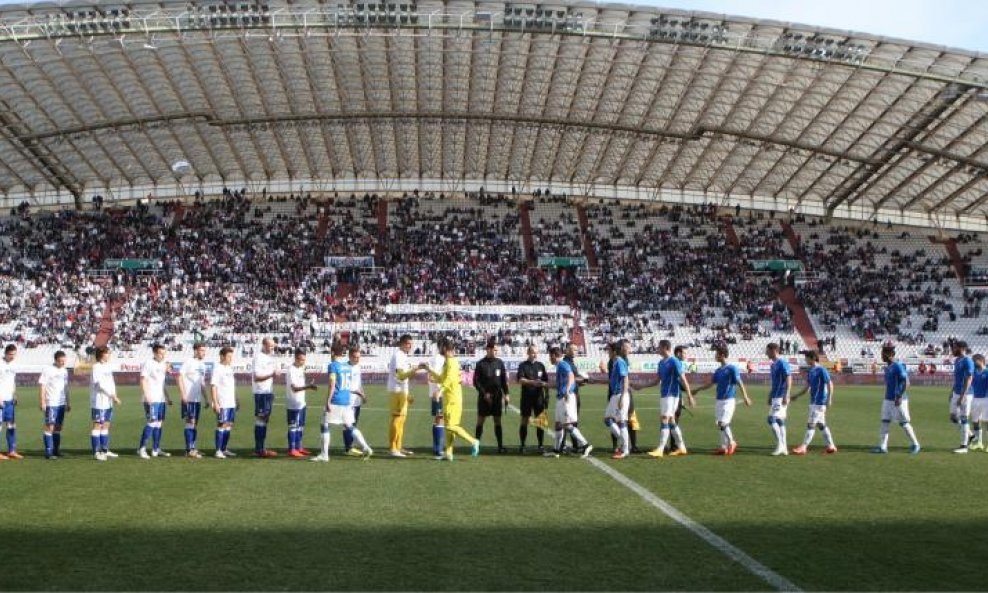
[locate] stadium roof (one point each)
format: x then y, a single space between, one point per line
596 99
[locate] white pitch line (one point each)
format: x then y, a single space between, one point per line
779 582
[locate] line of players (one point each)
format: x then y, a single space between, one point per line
968 403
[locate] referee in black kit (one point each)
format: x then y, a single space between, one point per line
490 378
534 382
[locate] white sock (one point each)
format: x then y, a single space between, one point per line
911 434
679 437
560 439
325 440
777 431
965 433
883 436
663 437
782 437
581 441
809 437
828 438
728 436
615 430
359 438
625 440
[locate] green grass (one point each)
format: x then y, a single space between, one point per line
853 521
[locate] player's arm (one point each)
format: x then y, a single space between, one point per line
183 389
406 374
261 378
214 398
744 392
332 388
704 388
625 389
504 380
967 387
570 383
145 387
830 385
786 397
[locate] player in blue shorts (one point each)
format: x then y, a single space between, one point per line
778 397
265 369
671 378
192 387
8 401
102 397
895 406
224 402
727 379
154 373
960 397
54 401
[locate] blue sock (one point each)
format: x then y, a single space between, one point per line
11 439
188 439
56 442
47 440
347 439
260 433
156 437
104 441
94 441
438 438
145 435
219 439
226 438
195 437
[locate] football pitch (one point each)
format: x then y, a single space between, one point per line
852 521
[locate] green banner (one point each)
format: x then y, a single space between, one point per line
132 264
562 262
776 265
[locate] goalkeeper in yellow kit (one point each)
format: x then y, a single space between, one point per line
451 392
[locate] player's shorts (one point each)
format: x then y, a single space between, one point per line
817 415
436 407
493 408
668 406
399 403
339 415
979 409
54 414
615 410
226 416
724 410
893 413
296 418
532 404
956 410
101 415
155 412
566 412
777 410
263 402
7 411
452 412
191 411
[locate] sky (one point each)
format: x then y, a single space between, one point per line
955 23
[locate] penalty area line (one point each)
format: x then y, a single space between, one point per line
777 581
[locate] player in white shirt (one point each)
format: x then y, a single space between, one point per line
296 384
191 385
224 401
400 369
358 399
436 403
102 397
8 401
154 372
53 395
265 369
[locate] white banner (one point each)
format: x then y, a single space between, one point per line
411 309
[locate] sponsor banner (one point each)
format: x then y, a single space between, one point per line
343 262
412 309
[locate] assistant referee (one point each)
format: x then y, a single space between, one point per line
490 378
534 382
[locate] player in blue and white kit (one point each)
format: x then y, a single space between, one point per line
8 401
895 406
224 401
191 385
727 378
339 405
619 401
53 395
778 397
821 389
979 403
960 398
265 369
102 397
154 372
671 378
296 384
566 415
